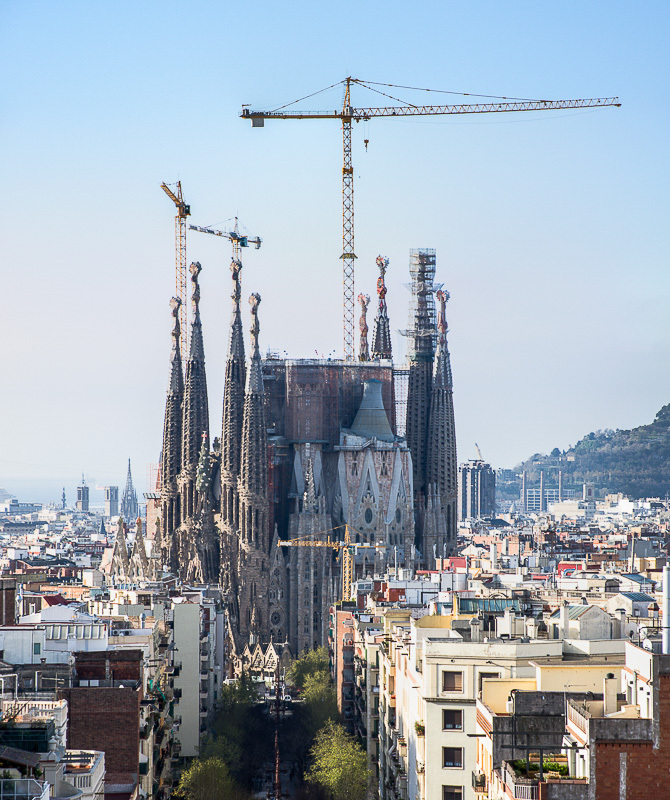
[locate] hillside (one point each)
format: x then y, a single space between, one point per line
635 462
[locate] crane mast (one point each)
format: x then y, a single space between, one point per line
346 547
183 211
348 114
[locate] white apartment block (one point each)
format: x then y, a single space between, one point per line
430 678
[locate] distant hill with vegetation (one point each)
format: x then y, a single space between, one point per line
635 462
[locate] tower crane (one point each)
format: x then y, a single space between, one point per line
346 546
479 452
237 239
183 211
348 114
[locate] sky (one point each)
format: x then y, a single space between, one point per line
549 227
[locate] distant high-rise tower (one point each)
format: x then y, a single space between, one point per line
82 496
476 490
111 501
63 497
129 506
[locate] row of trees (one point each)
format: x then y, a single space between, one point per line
230 756
337 764
330 763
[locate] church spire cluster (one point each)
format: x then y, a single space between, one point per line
186 421
306 445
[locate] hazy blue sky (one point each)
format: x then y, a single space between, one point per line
551 229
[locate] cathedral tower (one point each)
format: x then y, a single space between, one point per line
253 497
196 538
231 434
441 465
171 452
195 405
421 351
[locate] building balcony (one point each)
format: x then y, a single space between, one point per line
84 769
479 783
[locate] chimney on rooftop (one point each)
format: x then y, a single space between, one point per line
565 618
609 694
474 629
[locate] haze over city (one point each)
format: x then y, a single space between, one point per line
549 228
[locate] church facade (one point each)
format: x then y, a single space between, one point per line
308 446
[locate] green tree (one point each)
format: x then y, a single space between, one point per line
320 700
339 764
310 662
209 780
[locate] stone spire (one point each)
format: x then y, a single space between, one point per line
231 438
253 456
421 353
195 408
129 505
139 563
171 453
363 352
441 464
120 561
233 403
253 491
381 331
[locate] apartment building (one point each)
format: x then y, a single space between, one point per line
197 680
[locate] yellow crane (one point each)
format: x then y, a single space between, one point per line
237 239
348 114
346 546
183 211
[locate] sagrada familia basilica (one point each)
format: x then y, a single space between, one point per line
307 447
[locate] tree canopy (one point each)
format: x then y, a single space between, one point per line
339 764
309 663
209 779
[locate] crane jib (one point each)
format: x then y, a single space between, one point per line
463 108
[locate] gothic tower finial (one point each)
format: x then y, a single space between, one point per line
254 302
381 331
364 353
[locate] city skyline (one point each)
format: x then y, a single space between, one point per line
548 229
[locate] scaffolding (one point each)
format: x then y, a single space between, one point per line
422 322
